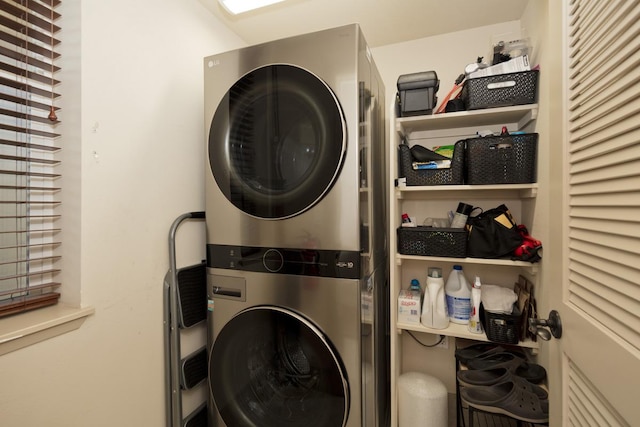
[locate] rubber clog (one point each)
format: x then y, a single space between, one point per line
508 398
489 377
521 383
531 372
483 377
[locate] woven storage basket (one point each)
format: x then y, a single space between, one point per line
502 90
502 328
501 159
452 176
432 241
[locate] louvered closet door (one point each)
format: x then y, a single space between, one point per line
601 295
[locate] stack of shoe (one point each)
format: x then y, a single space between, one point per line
500 380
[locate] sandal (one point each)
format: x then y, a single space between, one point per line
528 371
508 398
531 372
496 360
477 350
484 377
482 350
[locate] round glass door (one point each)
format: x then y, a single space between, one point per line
277 141
270 367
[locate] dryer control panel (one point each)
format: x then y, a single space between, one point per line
304 262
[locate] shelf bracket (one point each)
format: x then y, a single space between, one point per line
533 269
528 118
529 193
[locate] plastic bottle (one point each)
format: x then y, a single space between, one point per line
474 317
458 293
417 290
415 285
461 215
434 307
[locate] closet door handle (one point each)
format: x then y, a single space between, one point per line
553 323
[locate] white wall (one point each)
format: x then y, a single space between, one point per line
133 150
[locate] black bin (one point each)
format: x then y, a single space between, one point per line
417 93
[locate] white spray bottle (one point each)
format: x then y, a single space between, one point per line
474 317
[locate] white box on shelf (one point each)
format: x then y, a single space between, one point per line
408 306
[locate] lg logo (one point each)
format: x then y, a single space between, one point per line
342 264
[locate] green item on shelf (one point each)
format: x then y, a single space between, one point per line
444 150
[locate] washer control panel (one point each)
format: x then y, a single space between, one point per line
306 262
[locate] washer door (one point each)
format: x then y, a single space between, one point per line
277 141
270 367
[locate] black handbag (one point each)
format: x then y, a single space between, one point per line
492 234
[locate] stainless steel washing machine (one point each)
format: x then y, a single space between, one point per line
278 354
296 233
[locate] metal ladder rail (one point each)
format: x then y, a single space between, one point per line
173 396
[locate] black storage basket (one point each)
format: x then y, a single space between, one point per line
501 159
451 176
502 90
432 241
502 328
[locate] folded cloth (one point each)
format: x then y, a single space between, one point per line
498 299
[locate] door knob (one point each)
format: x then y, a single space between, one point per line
553 323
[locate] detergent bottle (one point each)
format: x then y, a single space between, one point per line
434 307
458 292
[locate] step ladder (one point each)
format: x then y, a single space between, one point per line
185 307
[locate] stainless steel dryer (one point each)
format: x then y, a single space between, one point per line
296 233
290 128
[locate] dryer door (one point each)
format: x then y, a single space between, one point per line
277 141
271 367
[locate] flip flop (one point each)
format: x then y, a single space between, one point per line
480 350
508 398
477 350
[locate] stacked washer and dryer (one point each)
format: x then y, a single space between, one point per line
296 211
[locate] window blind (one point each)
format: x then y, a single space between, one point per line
29 167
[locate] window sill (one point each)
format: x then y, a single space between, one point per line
28 328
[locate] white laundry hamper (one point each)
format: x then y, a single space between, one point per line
422 401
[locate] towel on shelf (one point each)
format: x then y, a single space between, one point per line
498 299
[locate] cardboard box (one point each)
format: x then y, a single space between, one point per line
409 306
